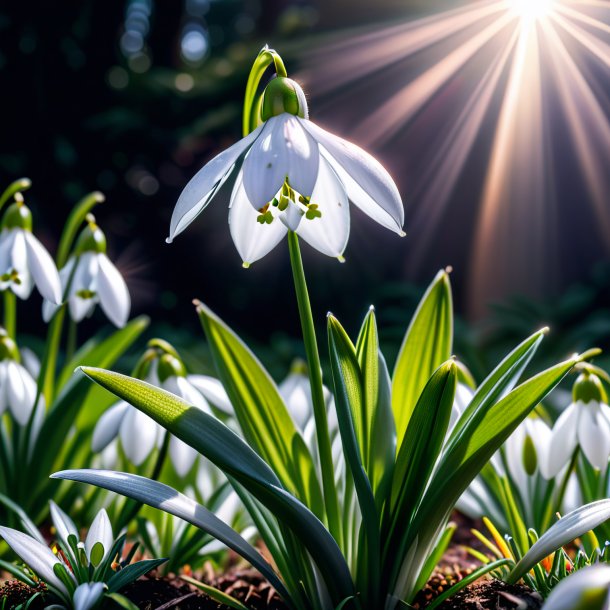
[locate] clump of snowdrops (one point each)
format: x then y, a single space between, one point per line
364 530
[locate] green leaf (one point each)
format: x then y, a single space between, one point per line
349 402
64 410
379 446
568 528
122 601
232 455
216 594
132 572
500 381
427 344
263 417
417 457
482 435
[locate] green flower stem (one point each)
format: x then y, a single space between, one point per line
252 98
49 361
317 391
72 339
10 313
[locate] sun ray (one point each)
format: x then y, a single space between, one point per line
509 98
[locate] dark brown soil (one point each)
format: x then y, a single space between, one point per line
16 592
151 593
247 586
493 595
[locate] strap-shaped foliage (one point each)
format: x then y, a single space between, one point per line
261 412
233 456
427 344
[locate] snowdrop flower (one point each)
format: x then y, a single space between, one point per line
24 261
138 433
18 388
89 277
463 396
290 174
586 589
585 424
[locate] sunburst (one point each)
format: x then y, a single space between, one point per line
515 92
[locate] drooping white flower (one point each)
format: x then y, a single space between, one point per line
138 433
586 589
585 424
24 261
291 174
89 277
18 389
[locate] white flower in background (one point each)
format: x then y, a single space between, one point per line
24 261
18 389
291 175
138 433
89 277
586 589
585 424
463 396
96 547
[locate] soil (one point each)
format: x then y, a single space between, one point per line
15 592
493 595
248 586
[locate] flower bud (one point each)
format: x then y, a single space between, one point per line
283 95
91 238
17 216
170 366
8 348
587 388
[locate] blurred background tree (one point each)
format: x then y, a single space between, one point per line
131 97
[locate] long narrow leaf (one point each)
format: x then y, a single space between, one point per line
231 454
349 401
161 496
568 528
427 344
261 412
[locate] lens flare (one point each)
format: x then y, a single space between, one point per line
496 116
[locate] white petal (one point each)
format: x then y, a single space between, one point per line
81 308
368 184
63 524
138 435
37 556
113 292
19 262
330 232
7 237
576 590
87 595
563 441
213 391
594 435
108 426
183 388
21 392
3 386
292 216
49 308
182 455
283 150
252 239
100 531
43 269
206 182
296 392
